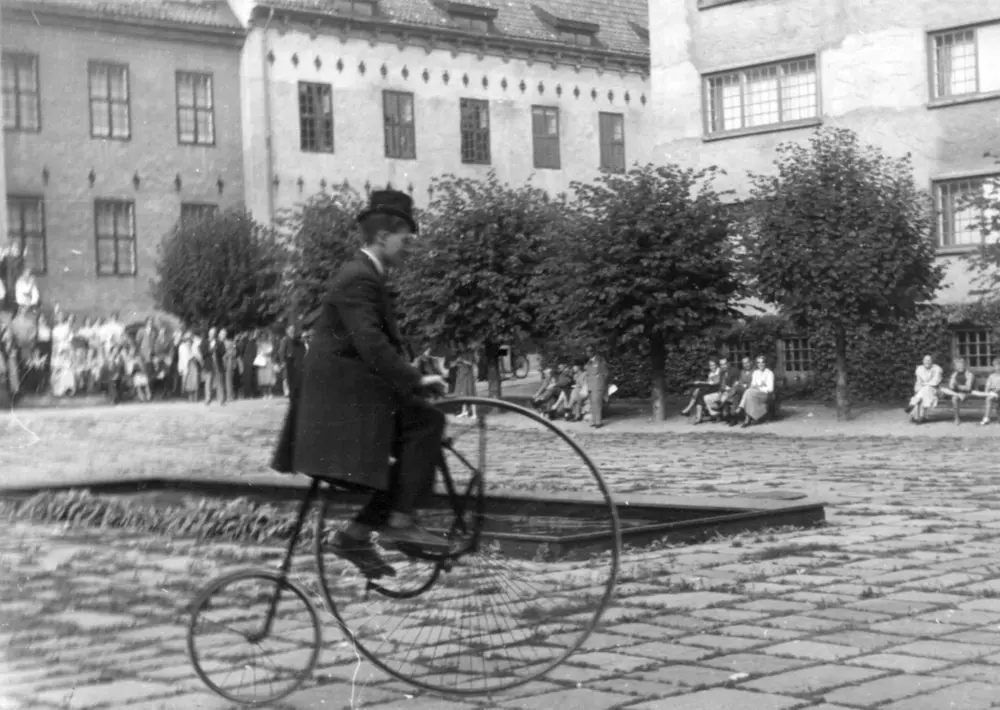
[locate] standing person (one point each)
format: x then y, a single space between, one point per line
111 332
248 354
175 373
990 392
11 266
145 340
228 357
189 362
43 340
264 364
211 358
465 378
293 353
26 292
597 383
361 403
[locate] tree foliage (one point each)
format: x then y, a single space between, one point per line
840 239
647 265
321 235
985 261
470 276
223 270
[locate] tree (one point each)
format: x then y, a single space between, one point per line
841 239
222 270
983 201
647 266
470 276
321 235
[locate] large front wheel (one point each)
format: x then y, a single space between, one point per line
515 602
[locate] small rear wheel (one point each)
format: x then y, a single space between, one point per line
241 655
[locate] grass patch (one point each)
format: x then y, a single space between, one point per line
792 550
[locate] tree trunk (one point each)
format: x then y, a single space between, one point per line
657 363
843 404
492 353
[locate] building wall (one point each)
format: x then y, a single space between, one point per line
873 66
66 150
359 154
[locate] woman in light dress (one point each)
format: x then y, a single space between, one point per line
189 365
753 405
925 390
465 379
264 365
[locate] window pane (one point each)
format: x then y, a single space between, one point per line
99 81
406 106
32 216
185 124
119 120
34 253
9 110
798 91
106 256
725 103
185 90
105 220
27 75
762 96
29 111
552 123
126 256
203 92
99 119
117 83
206 129
955 56
9 74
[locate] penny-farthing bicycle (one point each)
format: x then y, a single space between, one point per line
497 611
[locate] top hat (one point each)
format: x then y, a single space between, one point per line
390 202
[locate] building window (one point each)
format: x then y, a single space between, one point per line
612 130
400 128
193 212
475 131
471 23
798 356
974 347
109 101
355 7
195 111
959 218
315 117
766 95
26 228
545 136
21 111
739 350
115 232
954 58
580 39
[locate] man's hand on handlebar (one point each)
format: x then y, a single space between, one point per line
434 385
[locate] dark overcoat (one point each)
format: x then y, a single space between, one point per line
342 423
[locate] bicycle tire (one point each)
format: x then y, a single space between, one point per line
424 681
286 586
521 367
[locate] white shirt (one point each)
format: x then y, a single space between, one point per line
111 332
378 264
26 292
184 356
763 380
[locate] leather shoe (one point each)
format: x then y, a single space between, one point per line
362 554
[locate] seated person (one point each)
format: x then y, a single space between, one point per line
925 390
563 389
545 389
712 403
756 397
580 393
703 387
959 386
990 392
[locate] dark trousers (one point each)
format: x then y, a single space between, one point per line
411 480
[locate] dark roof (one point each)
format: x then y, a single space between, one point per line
516 19
199 13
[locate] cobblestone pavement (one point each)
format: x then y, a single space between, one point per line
894 605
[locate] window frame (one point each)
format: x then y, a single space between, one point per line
987 342
21 200
608 145
394 134
933 68
353 5
195 108
91 65
18 126
470 22
741 73
98 238
468 136
205 209
941 209
555 139
797 349
736 350
317 89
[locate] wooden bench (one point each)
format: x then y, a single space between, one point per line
946 407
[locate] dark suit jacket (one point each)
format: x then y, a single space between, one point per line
342 423
212 356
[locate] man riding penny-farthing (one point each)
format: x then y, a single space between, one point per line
440 604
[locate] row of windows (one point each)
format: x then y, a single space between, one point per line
114 232
110 100
400 129
788 91
973 346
